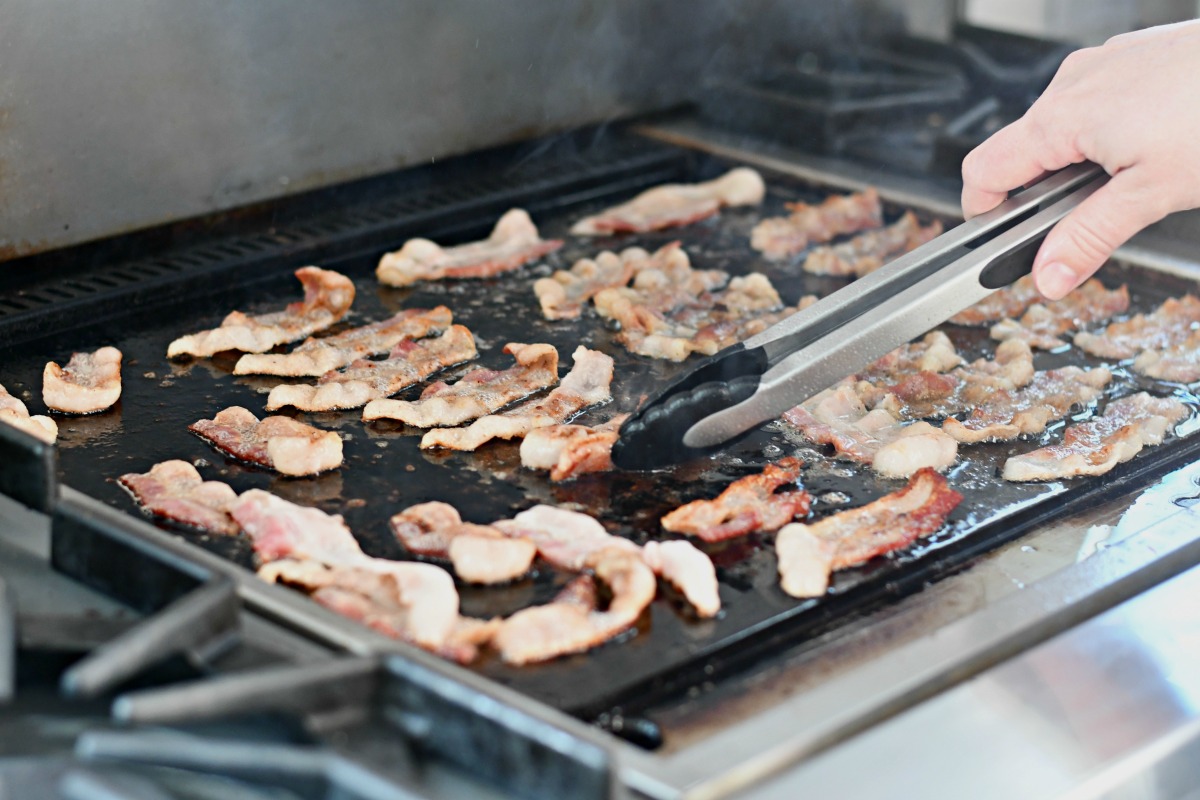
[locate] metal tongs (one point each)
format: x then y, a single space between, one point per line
734 391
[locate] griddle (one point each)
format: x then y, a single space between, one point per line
385 471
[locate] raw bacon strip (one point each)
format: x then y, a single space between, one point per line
90 382
480 392
563 295
676 204
1096 446
315 357
1179 363
809 553
780 237
1050 396
869 251
14 413
174 490
283 444
894 450
479 553
409 362
571 450
1167 326
1042 325
748 504
1001 304
328 295
587 384
513 242
682 565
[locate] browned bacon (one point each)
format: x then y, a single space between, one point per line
1179 363
315 357
1166 326
571 450
514 241
89 383
14 413
587 384
780 237
174 490
279 443
1005 415
1096 446
409 362
479 553
869 251
748 504
660 285
480 392
1001 304
808 553
328 295
1043 324
676 204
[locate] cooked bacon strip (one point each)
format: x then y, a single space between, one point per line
1050 396
934 353
689 569
563 295
1042 325
676 204
1096 446
328 295
409 362
410 600
780 237
1001 304
90 382
315 357
14 412
587 384
1179 363
1166 326
481 391
571 450
479 553
869 251
748 504
808 553
513 242
175 491
283 444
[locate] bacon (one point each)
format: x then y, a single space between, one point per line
1179 363
173 490
682 565
571 450
748 504
563 295
1096 446
1050 396
1042 325
513 242
480 392
869 251
14 412
587 384
315 357
676 204
283 444
90 382
808 553
409 363
1166 326
479 553
780 237
1000 304
328 295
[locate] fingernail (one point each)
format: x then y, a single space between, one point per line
1055 280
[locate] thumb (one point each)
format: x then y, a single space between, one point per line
1083 240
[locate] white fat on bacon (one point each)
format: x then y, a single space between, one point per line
283 444
315 357
587 384
676 204
571 450
1043 325
869 251
479 392
90 382
1166 342
1096 446
780 237
1050 396
479 553
513 242
364 380
1179 363
14 412
173 490
563 295
328 295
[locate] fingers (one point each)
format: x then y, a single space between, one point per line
1012 157
1081 243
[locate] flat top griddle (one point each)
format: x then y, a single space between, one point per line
385 471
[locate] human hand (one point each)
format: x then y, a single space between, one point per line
1133 107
